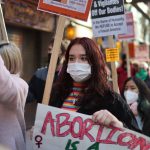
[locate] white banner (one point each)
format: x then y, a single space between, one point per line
58 129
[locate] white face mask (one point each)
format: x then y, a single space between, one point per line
130 96
79 72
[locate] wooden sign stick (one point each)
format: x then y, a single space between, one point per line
127 58
53 60
2 26
113 67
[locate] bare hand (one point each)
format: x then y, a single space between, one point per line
104 117
133 107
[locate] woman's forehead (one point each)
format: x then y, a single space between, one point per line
131 83
77 49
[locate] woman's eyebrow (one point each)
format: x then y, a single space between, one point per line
133 86
71 55
83 55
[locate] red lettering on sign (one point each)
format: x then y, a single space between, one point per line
147 147
108 140
64 123
79 128
48 119
87 126
138 142
131 137
99 134
78 120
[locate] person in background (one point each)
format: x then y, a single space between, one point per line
13 93
37 82
143 73
135 65
82 86
122 72
137 95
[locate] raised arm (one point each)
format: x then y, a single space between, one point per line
12 88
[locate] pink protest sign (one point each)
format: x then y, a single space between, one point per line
130 27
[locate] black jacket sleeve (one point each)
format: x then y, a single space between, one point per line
124 113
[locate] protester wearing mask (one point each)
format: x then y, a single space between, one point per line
82 86
79 72
122 72
137 95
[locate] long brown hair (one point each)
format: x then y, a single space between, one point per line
98 82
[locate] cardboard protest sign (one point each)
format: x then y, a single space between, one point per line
58 129
112 54
108 17
78 9
130 28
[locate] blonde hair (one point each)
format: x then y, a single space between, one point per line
11 56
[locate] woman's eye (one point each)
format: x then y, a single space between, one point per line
126 88
84 58
71 58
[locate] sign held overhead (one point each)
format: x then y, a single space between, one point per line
108 17
130 28
78 9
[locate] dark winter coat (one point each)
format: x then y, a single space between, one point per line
37 85
111 101
144 110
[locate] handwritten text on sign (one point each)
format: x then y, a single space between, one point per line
59 129
112 55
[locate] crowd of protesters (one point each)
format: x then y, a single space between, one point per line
82 81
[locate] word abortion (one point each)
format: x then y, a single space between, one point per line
61 121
